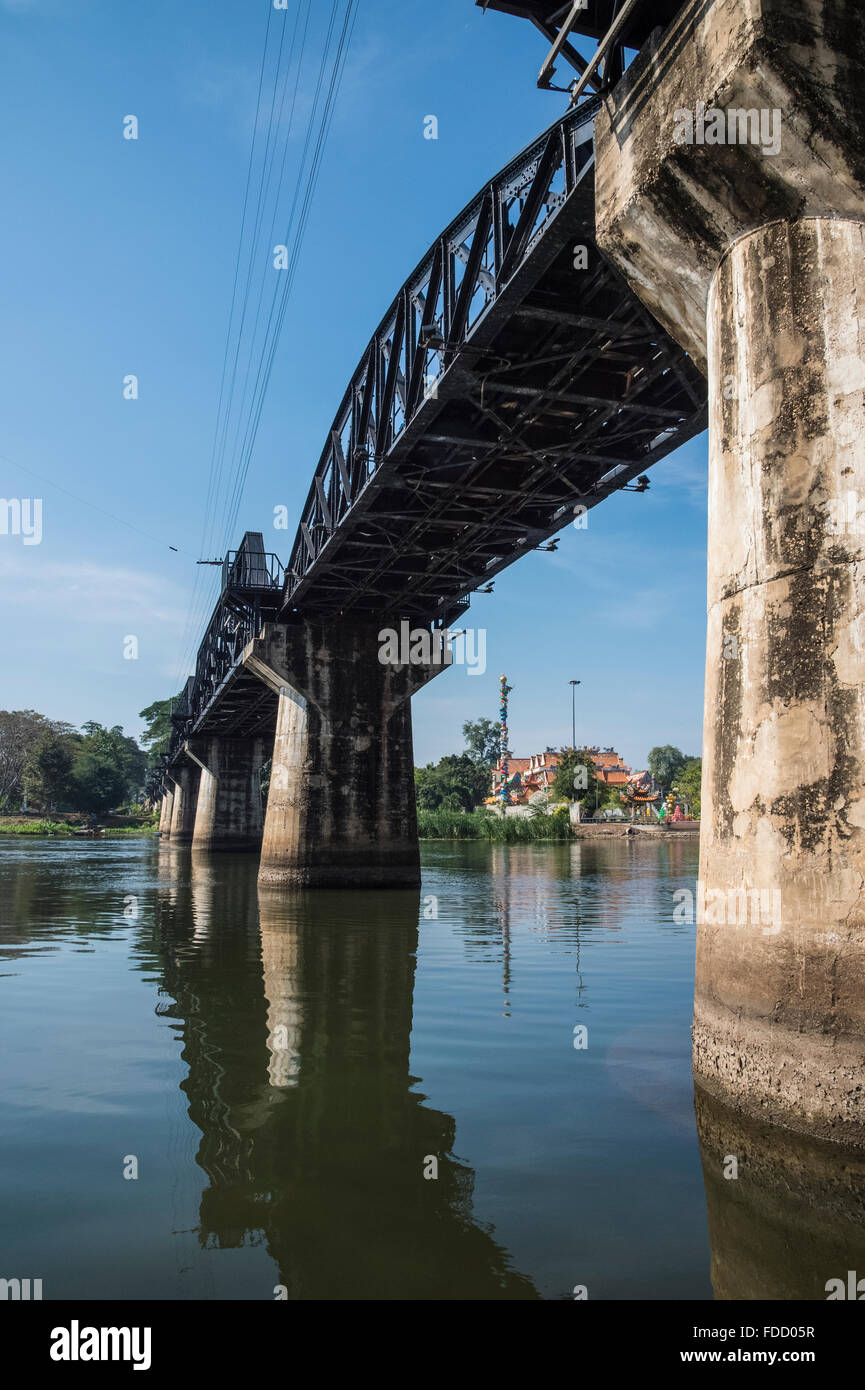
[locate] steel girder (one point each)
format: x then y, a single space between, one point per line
593 20
506 386
503 388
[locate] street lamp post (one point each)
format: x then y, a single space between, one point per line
573 685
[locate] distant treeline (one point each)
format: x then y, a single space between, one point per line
50 766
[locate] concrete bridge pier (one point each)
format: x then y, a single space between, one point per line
730 172
341 807
228 814
165 808
185 778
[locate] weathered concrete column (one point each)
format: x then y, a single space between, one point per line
165 808
185 779
341 807
751 251
780 1002
229 812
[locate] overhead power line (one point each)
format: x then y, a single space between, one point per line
94 506
248 350
282 292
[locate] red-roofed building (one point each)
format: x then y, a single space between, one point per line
610 769
537 773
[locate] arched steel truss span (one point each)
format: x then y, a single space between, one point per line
514 378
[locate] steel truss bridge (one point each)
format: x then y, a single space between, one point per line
505 388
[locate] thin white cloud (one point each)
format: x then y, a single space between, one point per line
65 627
85 592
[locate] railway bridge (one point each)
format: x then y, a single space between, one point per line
691 232
513 384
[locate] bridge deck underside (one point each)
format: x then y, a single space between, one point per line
593 20
243 707
566 391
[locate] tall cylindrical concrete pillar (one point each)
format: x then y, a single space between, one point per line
183 808
165 808
229 813
780 988
730 194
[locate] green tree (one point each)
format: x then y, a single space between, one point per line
687 784
98 782
50 762
665 763
575 779
157 735
610 798
483 741
47 777
455 783
120 751
20 730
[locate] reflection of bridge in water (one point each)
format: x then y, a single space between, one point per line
297 1022
297 1019
514 383
644 255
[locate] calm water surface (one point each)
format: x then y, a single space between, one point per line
285 1066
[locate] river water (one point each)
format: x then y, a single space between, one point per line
212 1091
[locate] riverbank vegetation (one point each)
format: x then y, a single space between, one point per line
18 826
150 828
49 766
451 793
460 781
678 773
489 825
40 825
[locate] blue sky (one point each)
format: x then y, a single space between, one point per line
117 257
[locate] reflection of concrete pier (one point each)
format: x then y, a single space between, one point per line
313 1136
280 960
793 1219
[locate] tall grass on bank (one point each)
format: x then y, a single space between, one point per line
34 827
53 827
482 825
113 830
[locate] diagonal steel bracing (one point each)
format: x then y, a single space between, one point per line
513 378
